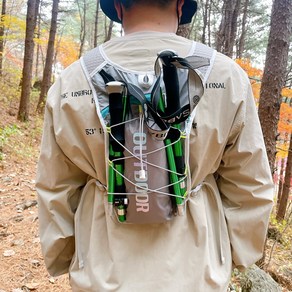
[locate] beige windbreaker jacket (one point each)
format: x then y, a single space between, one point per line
226 216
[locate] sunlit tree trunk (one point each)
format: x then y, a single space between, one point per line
288 81
2 29
281 181
31 16
49 58
286 187
274 74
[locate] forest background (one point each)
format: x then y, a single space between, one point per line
39 38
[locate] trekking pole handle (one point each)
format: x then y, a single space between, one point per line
115 87
116 91
171 82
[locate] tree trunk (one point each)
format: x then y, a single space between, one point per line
209 26
286 187
205 21
288 79
82 25
227 30
109 32
32 8
96 24
281 182
37 57
2 29
233 29
243 31
274 74
46 83
273 77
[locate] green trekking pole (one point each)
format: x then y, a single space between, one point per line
117 108
179 160
174 178
175 153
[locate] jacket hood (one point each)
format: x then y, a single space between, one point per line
188 10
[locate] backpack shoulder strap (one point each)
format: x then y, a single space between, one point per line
201 50
92 61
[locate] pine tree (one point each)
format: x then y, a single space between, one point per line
275 73
49 58
32 11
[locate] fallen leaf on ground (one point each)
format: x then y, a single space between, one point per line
9 253
31 286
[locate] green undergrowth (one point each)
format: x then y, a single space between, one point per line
5 133
19 140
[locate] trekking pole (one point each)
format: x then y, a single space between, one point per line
174 179
118 109
175 155
170 79
179 159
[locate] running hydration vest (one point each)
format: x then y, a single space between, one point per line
147 119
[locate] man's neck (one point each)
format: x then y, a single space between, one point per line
146 27
149 19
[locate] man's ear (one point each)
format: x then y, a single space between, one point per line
179 7
118 8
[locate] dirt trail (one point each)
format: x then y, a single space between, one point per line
22 266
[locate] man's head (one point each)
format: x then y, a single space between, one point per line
188 7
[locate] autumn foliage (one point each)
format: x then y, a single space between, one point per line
285 121
254 74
